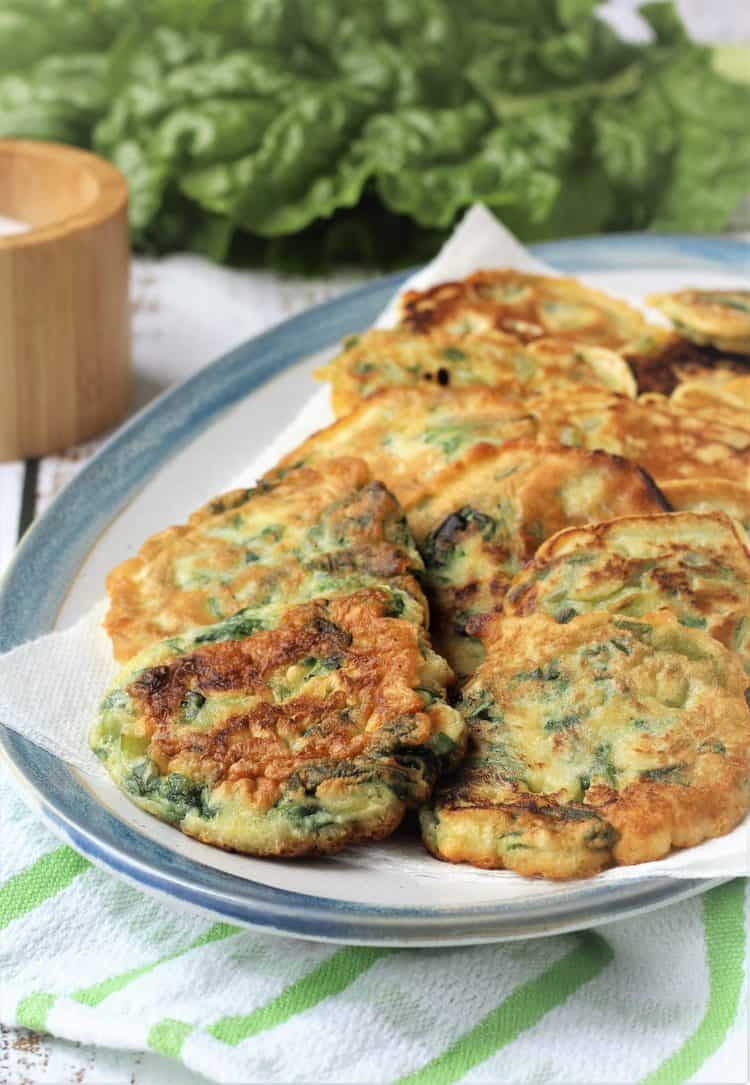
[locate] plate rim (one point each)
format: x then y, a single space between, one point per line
60 540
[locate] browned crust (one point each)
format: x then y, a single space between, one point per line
536 509
381 661
310 848
714 494
598 532
148 603
400 357
665 441
438 306
407 477
706 315
719 605
706 405
639 492
639 822
643 823
673 359
390 345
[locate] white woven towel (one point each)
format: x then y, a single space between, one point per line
661 998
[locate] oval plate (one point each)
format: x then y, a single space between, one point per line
188 445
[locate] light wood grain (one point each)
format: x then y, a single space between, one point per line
65 342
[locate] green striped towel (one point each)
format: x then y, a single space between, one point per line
661 998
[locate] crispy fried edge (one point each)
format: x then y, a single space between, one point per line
516 606
410 396
412 301
623 813
701 321
390 819
477 457
120 582
346 395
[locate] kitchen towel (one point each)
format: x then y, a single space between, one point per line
661 998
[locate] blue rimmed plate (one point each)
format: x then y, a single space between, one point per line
185 447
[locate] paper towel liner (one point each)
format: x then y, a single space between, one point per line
73 667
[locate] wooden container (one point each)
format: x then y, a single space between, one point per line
64 318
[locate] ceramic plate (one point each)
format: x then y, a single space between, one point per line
187 446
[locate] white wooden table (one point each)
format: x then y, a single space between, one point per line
186 312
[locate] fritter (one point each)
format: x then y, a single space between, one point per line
720 318
394 357
728 400
694 564
704 407
711 495
667 442
604 741
390 357
527 306
316 531
408 435
284 730
561 363
661 360
486 517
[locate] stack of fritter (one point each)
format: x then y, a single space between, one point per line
604 739
575 486
312 712
609 720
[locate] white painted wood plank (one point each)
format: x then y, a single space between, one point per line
11 490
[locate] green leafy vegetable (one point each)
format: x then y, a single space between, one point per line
306 134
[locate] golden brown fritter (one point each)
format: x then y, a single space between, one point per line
316 531
526 306
661 360
711 495
695 564
486 516
284 730
704 408
719 318
561 363
408 435
392 357
726 402
607 740
395 357
667 442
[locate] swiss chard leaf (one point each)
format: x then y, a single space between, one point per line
307 134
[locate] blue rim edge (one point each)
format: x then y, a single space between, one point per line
51 552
